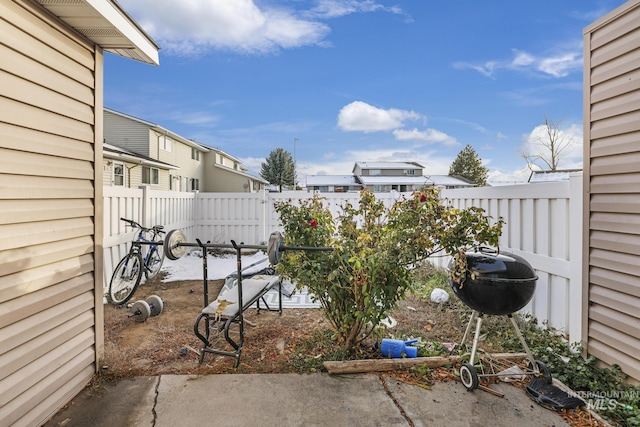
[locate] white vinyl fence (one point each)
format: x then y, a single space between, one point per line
542 225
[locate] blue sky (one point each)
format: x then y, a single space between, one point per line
340 81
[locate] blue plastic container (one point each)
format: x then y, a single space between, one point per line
396 348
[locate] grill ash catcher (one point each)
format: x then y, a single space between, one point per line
496 284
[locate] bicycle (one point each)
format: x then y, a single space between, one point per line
128 273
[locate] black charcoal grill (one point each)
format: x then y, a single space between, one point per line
497 284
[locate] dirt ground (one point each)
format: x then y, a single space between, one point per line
166 344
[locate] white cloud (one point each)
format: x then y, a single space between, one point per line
360 116
427 135
192 27
338 8
522 59
557 64
200 118
561 65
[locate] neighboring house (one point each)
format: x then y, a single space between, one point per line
332 183
155 142
382 177
124 168
451 181
224 173
552 175
51 207
181 163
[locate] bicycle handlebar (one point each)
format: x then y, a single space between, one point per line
157 229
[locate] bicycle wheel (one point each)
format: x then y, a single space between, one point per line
154 262
126 278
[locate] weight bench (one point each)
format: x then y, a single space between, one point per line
225 311
240 295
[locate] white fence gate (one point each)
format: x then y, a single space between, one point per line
542 225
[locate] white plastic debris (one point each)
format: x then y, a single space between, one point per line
514 373
439 296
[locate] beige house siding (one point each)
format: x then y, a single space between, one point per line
223 174
182 155
612 188
153 141
50 325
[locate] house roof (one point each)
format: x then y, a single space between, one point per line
161 130
106 24
335 180
241 173
387 165
552 175
451 181
116 153
395 180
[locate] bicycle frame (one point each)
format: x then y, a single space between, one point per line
126 277
151 243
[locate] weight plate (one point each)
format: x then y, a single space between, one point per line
156 304
172 248
140 311
273 248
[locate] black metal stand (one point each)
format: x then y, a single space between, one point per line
468 371
206 320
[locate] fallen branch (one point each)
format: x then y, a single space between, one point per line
378 365
490 390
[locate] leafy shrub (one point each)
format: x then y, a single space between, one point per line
368 271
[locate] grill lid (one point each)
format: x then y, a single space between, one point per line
490 264
495 283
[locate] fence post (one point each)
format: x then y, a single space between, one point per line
145 213
266 207
575 257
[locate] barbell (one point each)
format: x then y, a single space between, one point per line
175 246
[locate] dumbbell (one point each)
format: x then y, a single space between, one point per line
142 310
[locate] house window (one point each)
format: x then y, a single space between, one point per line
195 154
410 172
165 143
375 172
195 184
149 175
118 174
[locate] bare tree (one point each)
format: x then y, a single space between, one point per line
545 150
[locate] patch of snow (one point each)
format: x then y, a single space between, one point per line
189 267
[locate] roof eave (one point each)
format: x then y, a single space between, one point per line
107 25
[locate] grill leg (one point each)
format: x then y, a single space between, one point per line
466 333
476 338
532 361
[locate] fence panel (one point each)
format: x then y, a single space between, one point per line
119 203
542 225
222 217
145 206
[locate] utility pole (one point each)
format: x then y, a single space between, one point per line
294 164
